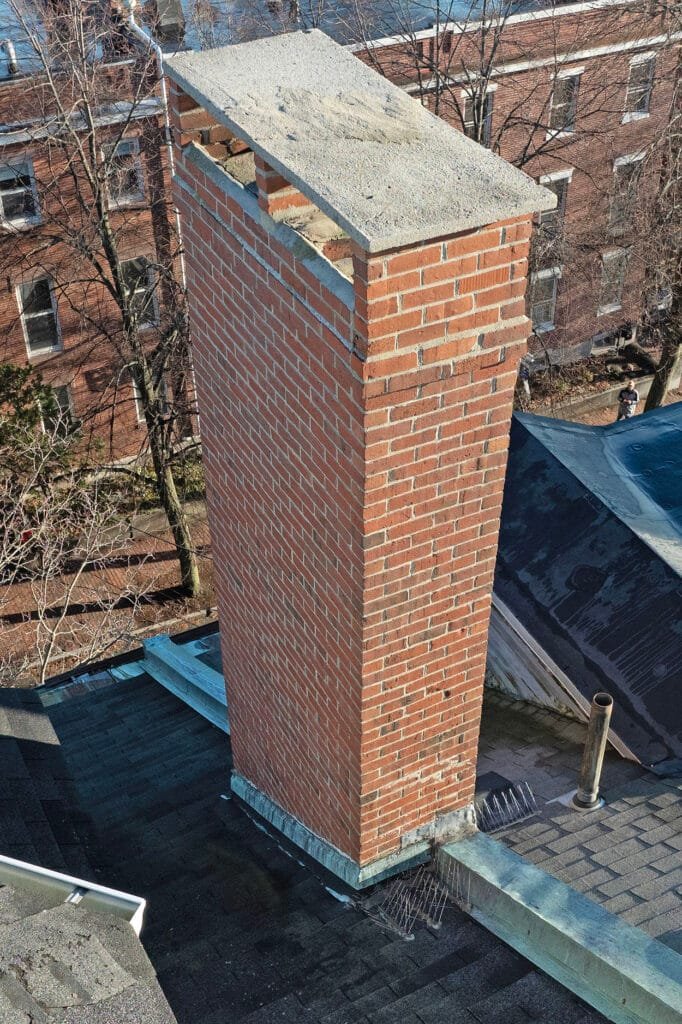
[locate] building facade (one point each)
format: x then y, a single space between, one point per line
58 304
577 95
574 94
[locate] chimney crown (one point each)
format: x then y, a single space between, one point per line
361 149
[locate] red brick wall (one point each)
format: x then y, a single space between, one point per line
281 420
354 499
520 98
444 329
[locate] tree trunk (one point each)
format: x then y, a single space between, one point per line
172 506
671 354
668 369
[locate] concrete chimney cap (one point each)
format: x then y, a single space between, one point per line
366 153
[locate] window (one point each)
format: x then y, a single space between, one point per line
659 304
139 279
626 174
564 102
124 171
59 418
39 316
614 268
640 85
543 299
551 222
18 199
486 114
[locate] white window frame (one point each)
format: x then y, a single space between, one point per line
21 222
58 346
558 133
491 88
108 152
139 408
640 58
546 179
551 272
613 254
137 398
153 308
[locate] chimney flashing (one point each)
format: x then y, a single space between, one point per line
380 165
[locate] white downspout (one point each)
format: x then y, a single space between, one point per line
151 44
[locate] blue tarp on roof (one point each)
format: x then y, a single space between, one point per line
590 562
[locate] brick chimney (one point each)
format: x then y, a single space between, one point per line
357 272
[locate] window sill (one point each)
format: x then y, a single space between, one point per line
605 310
544 328
559 133
35 357
25 224
634 115
127 202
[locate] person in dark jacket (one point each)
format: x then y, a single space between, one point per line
628 397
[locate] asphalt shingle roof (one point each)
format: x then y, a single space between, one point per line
584 563
59 963
239 931
39 818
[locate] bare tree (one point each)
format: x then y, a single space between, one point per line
60 532
455 65
100 140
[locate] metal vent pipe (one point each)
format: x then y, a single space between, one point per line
12 64
587 795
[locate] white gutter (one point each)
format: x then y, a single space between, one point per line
92 896
151 44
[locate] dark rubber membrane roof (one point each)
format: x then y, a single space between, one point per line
590 558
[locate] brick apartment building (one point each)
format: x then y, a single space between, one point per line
56 312
576 94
